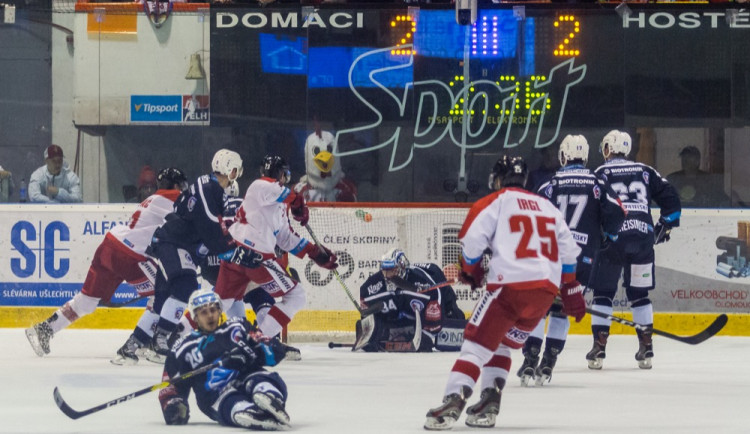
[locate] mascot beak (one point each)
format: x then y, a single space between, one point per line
324 161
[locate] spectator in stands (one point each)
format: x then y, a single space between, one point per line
6 185
146 184
54 182
697 188
545 171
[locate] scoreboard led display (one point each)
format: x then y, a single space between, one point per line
596 67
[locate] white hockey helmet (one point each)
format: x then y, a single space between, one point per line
617 142
201 298
573 147
395 259
225 161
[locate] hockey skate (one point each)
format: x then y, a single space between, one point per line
256 418
530 361
596 356
645 349
272 405
159 347
39 336
443 417
544 370
290 352
128 353
483 413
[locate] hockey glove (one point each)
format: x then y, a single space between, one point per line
571 294
472 275
176 412
324 257
662 231
607 240
238 359
299 209
245 257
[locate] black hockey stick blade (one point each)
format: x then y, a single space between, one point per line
714 328
64 407
711 330
339 345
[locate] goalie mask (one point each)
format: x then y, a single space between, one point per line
275 167
394 260
616 142
511 171
171 176
225 162
204 299
573 148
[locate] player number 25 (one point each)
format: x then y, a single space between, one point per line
540 227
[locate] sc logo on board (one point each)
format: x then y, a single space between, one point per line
40 247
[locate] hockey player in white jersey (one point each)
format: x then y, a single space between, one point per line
533 259
260 225
120 257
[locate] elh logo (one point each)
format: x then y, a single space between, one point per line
40 247
195 108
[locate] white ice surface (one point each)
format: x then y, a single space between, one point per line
691 389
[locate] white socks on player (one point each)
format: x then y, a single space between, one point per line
290 304
172 310
643 314
558 328
80 305
598 321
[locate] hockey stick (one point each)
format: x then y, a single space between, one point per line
417 339
712 329
73 414
339 345
405 284
127 302
363 312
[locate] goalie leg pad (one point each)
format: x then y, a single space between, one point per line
451 335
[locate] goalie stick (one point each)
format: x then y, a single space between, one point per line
712 329
73 414
405 284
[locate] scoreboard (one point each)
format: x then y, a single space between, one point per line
556 67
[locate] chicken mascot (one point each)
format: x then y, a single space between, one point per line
324 180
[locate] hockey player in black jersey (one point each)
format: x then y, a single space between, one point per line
238 392
194 230
593 213
397 286
632 254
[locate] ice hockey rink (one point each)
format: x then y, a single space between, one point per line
691 389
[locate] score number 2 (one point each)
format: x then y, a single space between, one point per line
541 227
568 27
